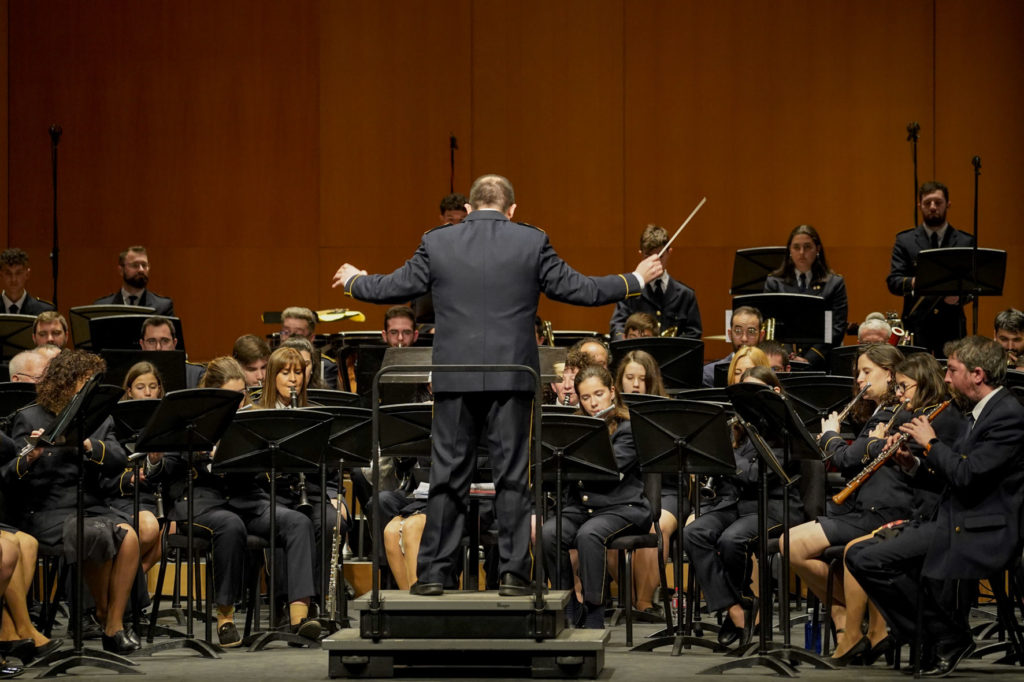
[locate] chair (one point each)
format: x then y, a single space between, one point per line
256 548
176 544
626 545
54 573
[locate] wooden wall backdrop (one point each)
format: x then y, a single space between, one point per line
255 145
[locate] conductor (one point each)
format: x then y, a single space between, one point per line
486 275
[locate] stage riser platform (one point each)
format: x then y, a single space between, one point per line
461 625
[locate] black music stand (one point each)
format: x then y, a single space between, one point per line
564 338
761 410
123 332
327 398
799 318
682 437
681 359
631 399
579 446
79 316
559 409
961 271
16 334
843 359
751 267
274 441
708 395
815 397
170 364
76 422
14 395
349 441
188 421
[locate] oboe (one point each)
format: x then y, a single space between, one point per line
303 506
331 603
876 464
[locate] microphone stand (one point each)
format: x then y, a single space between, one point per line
976 162
55 132
453 145
913 133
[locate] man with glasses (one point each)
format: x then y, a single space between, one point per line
299 321
744 330
133 264
28 366
399 327
158 334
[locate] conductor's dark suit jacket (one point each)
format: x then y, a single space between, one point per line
486 274
678 309
978 523
833 290
32 306
932 320
163 306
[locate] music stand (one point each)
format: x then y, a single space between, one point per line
189 421
799 318
843 360
751 267
815 397
274 441
79 316
16 334
682 437
579 446
708 395
761 410
325 397
681 359
14 395
86 411
559 409
124 331
549 357
631 399
961 270
349 440
170 364
564 338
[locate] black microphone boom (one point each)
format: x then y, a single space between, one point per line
913 133
453 146
55 132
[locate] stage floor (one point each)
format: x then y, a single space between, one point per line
280 662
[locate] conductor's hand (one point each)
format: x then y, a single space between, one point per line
650 268
920 430
344 274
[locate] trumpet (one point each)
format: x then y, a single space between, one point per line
876 464
671 331
304 505
549 333
768 327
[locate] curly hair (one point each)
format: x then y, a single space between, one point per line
64 377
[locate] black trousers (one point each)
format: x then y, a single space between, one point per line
228 533
718 545
888 567
295 533
501 420
588 532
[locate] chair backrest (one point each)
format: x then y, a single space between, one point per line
652 491
812 488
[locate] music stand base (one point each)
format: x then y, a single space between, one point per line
262 639
777 665
200 646
678 643
63 661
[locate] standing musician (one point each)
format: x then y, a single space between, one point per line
44 482
919 390
670 301
976 529
486 274
932 320
885 497
805 270
14 272
718 541
596 511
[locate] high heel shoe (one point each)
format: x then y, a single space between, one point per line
860 649
883 648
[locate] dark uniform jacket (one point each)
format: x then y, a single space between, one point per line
833 290
678 308
486 275
162 305
32 306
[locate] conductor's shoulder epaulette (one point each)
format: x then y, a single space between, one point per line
530 226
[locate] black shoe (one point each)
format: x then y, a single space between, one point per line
91 628
132 636
308 628
119 643
594 619
227 635
7 670
427 589
855 655
22 649
512 585
884 648
46 649
948 656
728 632
749 616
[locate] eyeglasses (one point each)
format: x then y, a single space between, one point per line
744 332
35 379
903 387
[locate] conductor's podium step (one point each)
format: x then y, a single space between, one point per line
464 632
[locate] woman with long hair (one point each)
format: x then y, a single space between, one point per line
742 360
638 372
805 270
595 511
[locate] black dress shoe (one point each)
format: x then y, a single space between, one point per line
48 648
119 643
227 635
948 656
512 585
884 648
22 649
308 628
855 654
728 632
427 589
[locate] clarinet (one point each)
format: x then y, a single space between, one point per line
303 506
331 603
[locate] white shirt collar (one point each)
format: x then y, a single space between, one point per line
980 406
941 231
138 297
20 302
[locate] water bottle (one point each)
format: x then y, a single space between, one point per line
675 606
812 633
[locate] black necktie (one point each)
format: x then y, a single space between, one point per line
659 294
132 299
803 282
970 422
935 240
13 309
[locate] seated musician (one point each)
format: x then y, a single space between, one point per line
299 321
19 552
158 334
252 353
920 390
670 301
44 483
575 360
50 329
742 360
874 329
28 366
911 572
641 325
744 330
310 358
14 272
594 512
718 541
777 354
805 271
231 506
287 372
885 497
595 349
1009 326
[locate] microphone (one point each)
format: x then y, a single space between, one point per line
55 132
913 128
452 142
976 162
